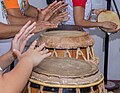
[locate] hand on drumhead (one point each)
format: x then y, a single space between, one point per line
43 25
35 54
23 36
109 25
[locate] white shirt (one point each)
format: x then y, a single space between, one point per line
5 44
88 8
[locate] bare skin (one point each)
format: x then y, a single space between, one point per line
27 60
40 15
79 20
10 30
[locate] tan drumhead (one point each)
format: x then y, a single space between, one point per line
109 16
66 39
63 72
66 67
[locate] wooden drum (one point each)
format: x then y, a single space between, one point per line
70 44
67 73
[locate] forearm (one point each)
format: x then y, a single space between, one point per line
20 20
31 12
18 77
7 59
8 31
88 24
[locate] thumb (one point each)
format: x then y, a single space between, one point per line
17 53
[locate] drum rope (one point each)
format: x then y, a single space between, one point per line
100 88
29 88
78 90
92 90
55 53
92 52
79 52
88 52
60 90
67 53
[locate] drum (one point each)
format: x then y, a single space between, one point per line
67 74
70 44
109 16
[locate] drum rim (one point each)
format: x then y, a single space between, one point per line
67 86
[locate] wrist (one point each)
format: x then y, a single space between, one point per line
13 55
100 24
27 59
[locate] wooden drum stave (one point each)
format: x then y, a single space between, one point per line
70 44
62 73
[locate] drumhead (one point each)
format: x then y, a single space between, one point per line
64 39
64 72
66 67
109 16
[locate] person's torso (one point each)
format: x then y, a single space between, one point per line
88 8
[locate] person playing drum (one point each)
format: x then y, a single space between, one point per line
80 11
15 80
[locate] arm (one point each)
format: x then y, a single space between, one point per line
7 59
27 61
79 20
31 11
31 58
18 43
21 20
8 30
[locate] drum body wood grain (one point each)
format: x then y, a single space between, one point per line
67 73
70 44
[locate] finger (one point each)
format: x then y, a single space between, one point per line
47 55
24 28
60 7
40 47
29 32
52 5
44 52
25 41
17 53
29 29
55 6
32 46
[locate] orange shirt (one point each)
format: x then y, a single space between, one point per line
12 4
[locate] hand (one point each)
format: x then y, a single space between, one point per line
36 55
98 11
59 17
22 37
110 26
43 25
48 12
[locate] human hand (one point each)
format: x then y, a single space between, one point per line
35 54
59 17
23 36
109 26
48 12
43 25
